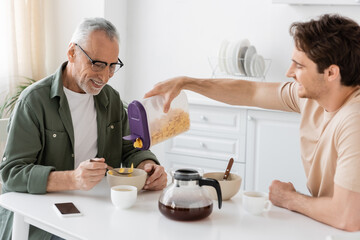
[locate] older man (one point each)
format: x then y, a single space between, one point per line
326 92
68 118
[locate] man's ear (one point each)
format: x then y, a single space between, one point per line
333 73
71 52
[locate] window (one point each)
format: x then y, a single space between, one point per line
4 47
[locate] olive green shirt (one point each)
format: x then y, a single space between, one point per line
41 140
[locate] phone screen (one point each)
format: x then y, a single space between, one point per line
67 209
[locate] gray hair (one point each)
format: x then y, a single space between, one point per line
89 25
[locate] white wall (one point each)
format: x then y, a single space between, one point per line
116 12
63 16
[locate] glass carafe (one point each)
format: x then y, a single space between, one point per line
185 200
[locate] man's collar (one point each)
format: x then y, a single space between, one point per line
57 86
58 91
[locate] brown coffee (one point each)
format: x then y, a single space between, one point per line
122 189
185 214
254 194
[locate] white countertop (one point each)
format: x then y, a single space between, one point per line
101 220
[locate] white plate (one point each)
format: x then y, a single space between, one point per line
247 59
222 56
231 64
234 58
244 44
257 66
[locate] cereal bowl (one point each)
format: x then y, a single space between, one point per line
136 178
228 187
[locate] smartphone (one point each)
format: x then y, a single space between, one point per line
67 209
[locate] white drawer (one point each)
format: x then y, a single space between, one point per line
217 119
209 146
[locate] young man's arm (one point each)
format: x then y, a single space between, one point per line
341 211
230 91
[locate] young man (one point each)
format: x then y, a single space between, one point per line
326 93
68 118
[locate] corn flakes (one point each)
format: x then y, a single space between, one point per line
173 123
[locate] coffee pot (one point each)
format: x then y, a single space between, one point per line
185 200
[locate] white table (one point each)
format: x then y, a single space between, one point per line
101 220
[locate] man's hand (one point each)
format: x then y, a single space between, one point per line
84 177
89 173
157 177
169 89
281 193
342 210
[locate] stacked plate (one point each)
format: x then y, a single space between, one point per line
240 58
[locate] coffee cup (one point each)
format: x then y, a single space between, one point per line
256 202
123 196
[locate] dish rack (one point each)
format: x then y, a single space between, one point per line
219 72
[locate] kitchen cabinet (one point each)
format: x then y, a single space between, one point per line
319 2
273 150
263 143
216 134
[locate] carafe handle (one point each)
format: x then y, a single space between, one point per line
214 183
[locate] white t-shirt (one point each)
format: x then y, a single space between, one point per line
83 115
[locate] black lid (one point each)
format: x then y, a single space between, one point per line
186 174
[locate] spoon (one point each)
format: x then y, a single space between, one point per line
113 172
122 170
228 168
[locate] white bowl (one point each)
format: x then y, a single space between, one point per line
136 179
228 187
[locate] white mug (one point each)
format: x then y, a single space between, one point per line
255 202
123 196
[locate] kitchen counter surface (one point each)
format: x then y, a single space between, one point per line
101 220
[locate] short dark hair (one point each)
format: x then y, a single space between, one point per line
332 39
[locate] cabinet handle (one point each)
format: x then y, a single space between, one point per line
203 118
202 145
250 118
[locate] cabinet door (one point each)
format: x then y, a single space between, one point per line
273 150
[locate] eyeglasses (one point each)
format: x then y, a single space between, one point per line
98 66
